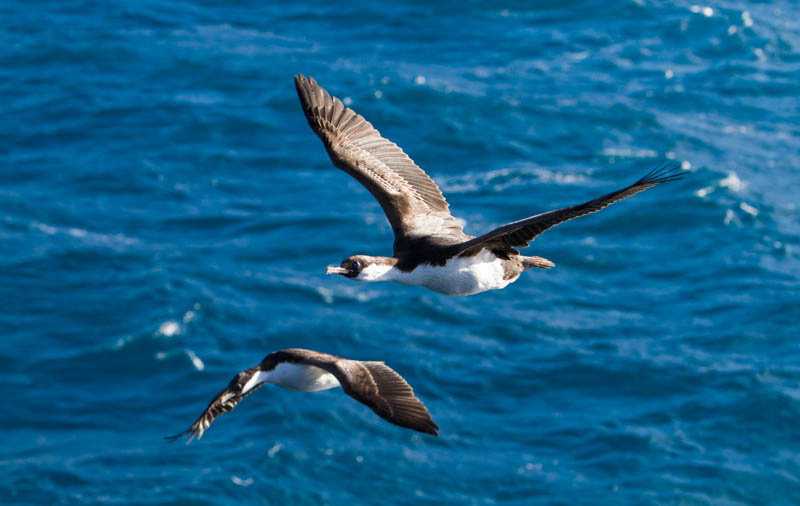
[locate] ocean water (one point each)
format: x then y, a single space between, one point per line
167 216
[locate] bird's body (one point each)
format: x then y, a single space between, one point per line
458 276
300 377
430 247
371 383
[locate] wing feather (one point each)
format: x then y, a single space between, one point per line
223 402
391 397
402 189
520 233
378 386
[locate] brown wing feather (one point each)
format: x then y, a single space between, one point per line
403 190
223 402
520 233
387 394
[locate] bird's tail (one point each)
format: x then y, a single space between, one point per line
538 262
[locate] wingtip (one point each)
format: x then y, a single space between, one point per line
172 439
668 170
430 427
302 80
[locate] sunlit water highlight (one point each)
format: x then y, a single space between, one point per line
167 216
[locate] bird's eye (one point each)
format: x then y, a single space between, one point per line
355 266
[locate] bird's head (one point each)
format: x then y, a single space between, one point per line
364 268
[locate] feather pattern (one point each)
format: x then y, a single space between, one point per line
372 383
425 231
376 385
223 402
402 189
504 240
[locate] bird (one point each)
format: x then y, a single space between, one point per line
430 247
372 383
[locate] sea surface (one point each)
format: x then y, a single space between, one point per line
166 217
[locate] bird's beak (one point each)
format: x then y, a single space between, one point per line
335 270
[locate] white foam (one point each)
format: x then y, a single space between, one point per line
752 211
704 10
634 153
501 179
274 450
733 182
326 294
116 241
204 98
77 232
169 328
730 217
703 192
196 362
242 482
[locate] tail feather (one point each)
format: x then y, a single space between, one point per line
538 262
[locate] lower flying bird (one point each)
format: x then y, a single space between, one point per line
372 383
430 248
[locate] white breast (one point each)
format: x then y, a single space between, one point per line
459 276
306 378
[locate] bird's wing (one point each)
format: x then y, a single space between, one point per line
379 387
224 402
387 393
411 200
520 233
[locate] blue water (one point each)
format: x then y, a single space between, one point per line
167 216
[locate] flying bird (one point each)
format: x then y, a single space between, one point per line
430 248
372 383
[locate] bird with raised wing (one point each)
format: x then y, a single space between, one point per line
430 248
372 383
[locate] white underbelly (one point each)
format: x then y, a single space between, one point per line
305 378
460 276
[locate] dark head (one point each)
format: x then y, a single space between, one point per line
364 268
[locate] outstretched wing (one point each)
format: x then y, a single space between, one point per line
224 402
387 393
411 200
520 233
376 385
